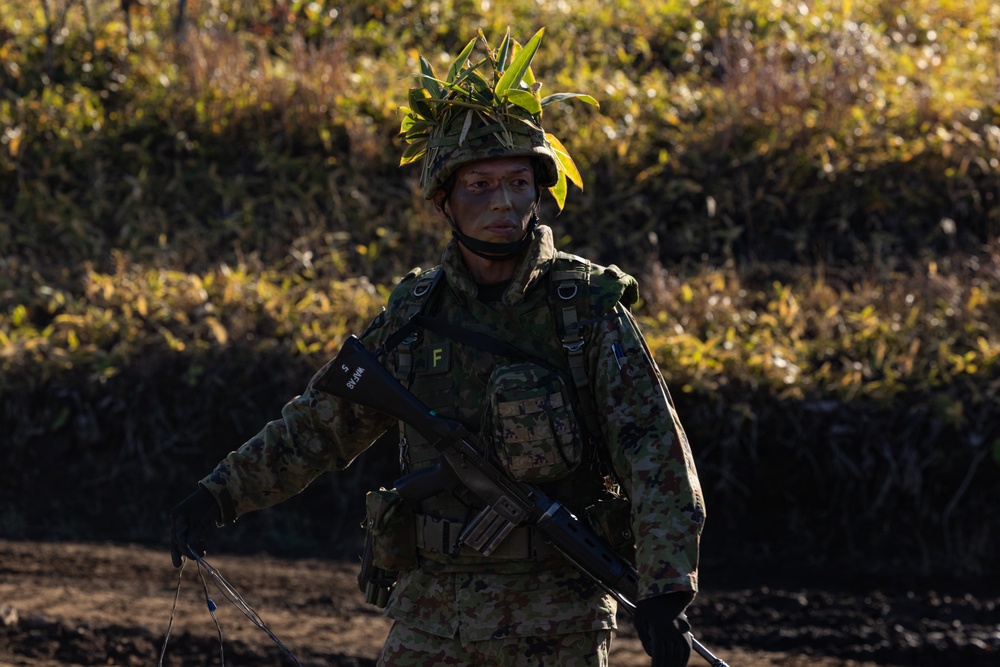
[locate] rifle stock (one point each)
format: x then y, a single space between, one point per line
357 375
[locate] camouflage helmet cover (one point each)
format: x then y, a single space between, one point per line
474 114
448 149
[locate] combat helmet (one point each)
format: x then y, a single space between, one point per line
485 109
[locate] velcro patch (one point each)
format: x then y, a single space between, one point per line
433 358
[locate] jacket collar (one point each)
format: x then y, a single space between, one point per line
533 266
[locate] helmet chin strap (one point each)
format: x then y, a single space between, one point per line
496 251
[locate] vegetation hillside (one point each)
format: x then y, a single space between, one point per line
200 200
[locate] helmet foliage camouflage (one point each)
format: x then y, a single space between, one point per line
476 114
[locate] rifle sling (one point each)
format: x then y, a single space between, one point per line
480 341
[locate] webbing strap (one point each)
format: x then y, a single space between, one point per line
452 139
438 536
405 336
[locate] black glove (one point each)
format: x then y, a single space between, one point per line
663 628
189 521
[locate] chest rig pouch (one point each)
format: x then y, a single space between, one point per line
530 423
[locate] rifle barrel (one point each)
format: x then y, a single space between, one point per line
706 654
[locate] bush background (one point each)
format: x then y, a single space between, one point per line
192 218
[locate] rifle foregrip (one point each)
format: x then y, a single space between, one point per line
423 484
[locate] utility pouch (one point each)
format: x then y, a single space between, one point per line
531 423
390 544
611 518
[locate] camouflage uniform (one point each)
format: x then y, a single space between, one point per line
576 649
526 592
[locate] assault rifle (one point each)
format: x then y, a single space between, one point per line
357 375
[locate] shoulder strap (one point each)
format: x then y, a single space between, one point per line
421 300
570 300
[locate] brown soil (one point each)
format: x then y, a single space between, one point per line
89 604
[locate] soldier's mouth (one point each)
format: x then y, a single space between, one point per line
502 228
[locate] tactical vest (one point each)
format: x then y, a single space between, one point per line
454 375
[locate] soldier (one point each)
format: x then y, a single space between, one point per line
536 351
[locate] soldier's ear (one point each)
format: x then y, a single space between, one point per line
441 202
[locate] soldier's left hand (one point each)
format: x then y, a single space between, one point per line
663 629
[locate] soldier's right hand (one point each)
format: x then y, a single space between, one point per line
189 521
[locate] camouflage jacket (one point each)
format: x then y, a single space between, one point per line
645 441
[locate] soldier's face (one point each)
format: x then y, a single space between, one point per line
493 200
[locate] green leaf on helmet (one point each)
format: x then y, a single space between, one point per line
414 136
428 78
529 80
408 119
558 97
527 101
417 126
566 164
558 191
504 52
413 152
466 126
467 80
418 102
478 88
486 44
460 61
515 73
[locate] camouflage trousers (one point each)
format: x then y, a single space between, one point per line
408 647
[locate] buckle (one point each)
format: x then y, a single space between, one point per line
566 297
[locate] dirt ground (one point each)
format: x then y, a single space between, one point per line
108 604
